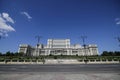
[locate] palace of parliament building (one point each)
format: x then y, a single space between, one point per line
58 47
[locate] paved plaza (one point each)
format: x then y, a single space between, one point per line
60 72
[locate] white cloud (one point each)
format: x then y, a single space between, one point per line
117 21
6 16
5 27
26 14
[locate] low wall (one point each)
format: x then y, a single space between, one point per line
63 61
75 61
21 62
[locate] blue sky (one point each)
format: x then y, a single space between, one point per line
22 20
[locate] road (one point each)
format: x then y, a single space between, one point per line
60 72
99 68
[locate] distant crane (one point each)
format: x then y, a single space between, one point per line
83 39
118 38
38 41
84 45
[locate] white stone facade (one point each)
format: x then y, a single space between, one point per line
59 47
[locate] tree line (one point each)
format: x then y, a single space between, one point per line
110 53
11 54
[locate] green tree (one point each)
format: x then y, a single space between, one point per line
9 53
20 54
50 55
55 57
1 54
117 53
111 53
105 53
16 53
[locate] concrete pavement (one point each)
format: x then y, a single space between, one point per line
60 68
60 72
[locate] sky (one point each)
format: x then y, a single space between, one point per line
22 20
